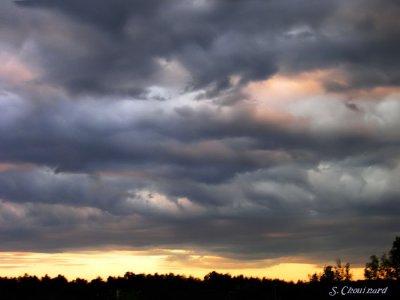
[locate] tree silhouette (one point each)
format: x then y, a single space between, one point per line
394 259
387 267
331 274
371 271
342 273
214 286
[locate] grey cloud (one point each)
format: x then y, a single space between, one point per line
211 147
122 42
242 222
109 171
42 185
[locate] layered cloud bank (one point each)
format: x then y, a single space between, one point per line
243 129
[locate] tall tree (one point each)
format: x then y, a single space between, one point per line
333 273
394 259
385 267
371 271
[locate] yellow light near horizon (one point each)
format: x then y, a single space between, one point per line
86 265
296 271
92 264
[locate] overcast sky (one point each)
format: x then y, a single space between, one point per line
247 129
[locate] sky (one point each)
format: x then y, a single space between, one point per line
246 136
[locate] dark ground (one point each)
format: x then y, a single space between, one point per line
213 286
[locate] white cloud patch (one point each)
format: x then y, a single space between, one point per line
362 184
145 201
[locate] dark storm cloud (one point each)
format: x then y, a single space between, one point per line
82 167
285 210
358 38
236 229
44 186
69 138
122 42
256 189
211 147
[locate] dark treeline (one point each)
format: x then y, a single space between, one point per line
382 282
213 286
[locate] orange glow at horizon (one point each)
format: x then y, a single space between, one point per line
92 264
